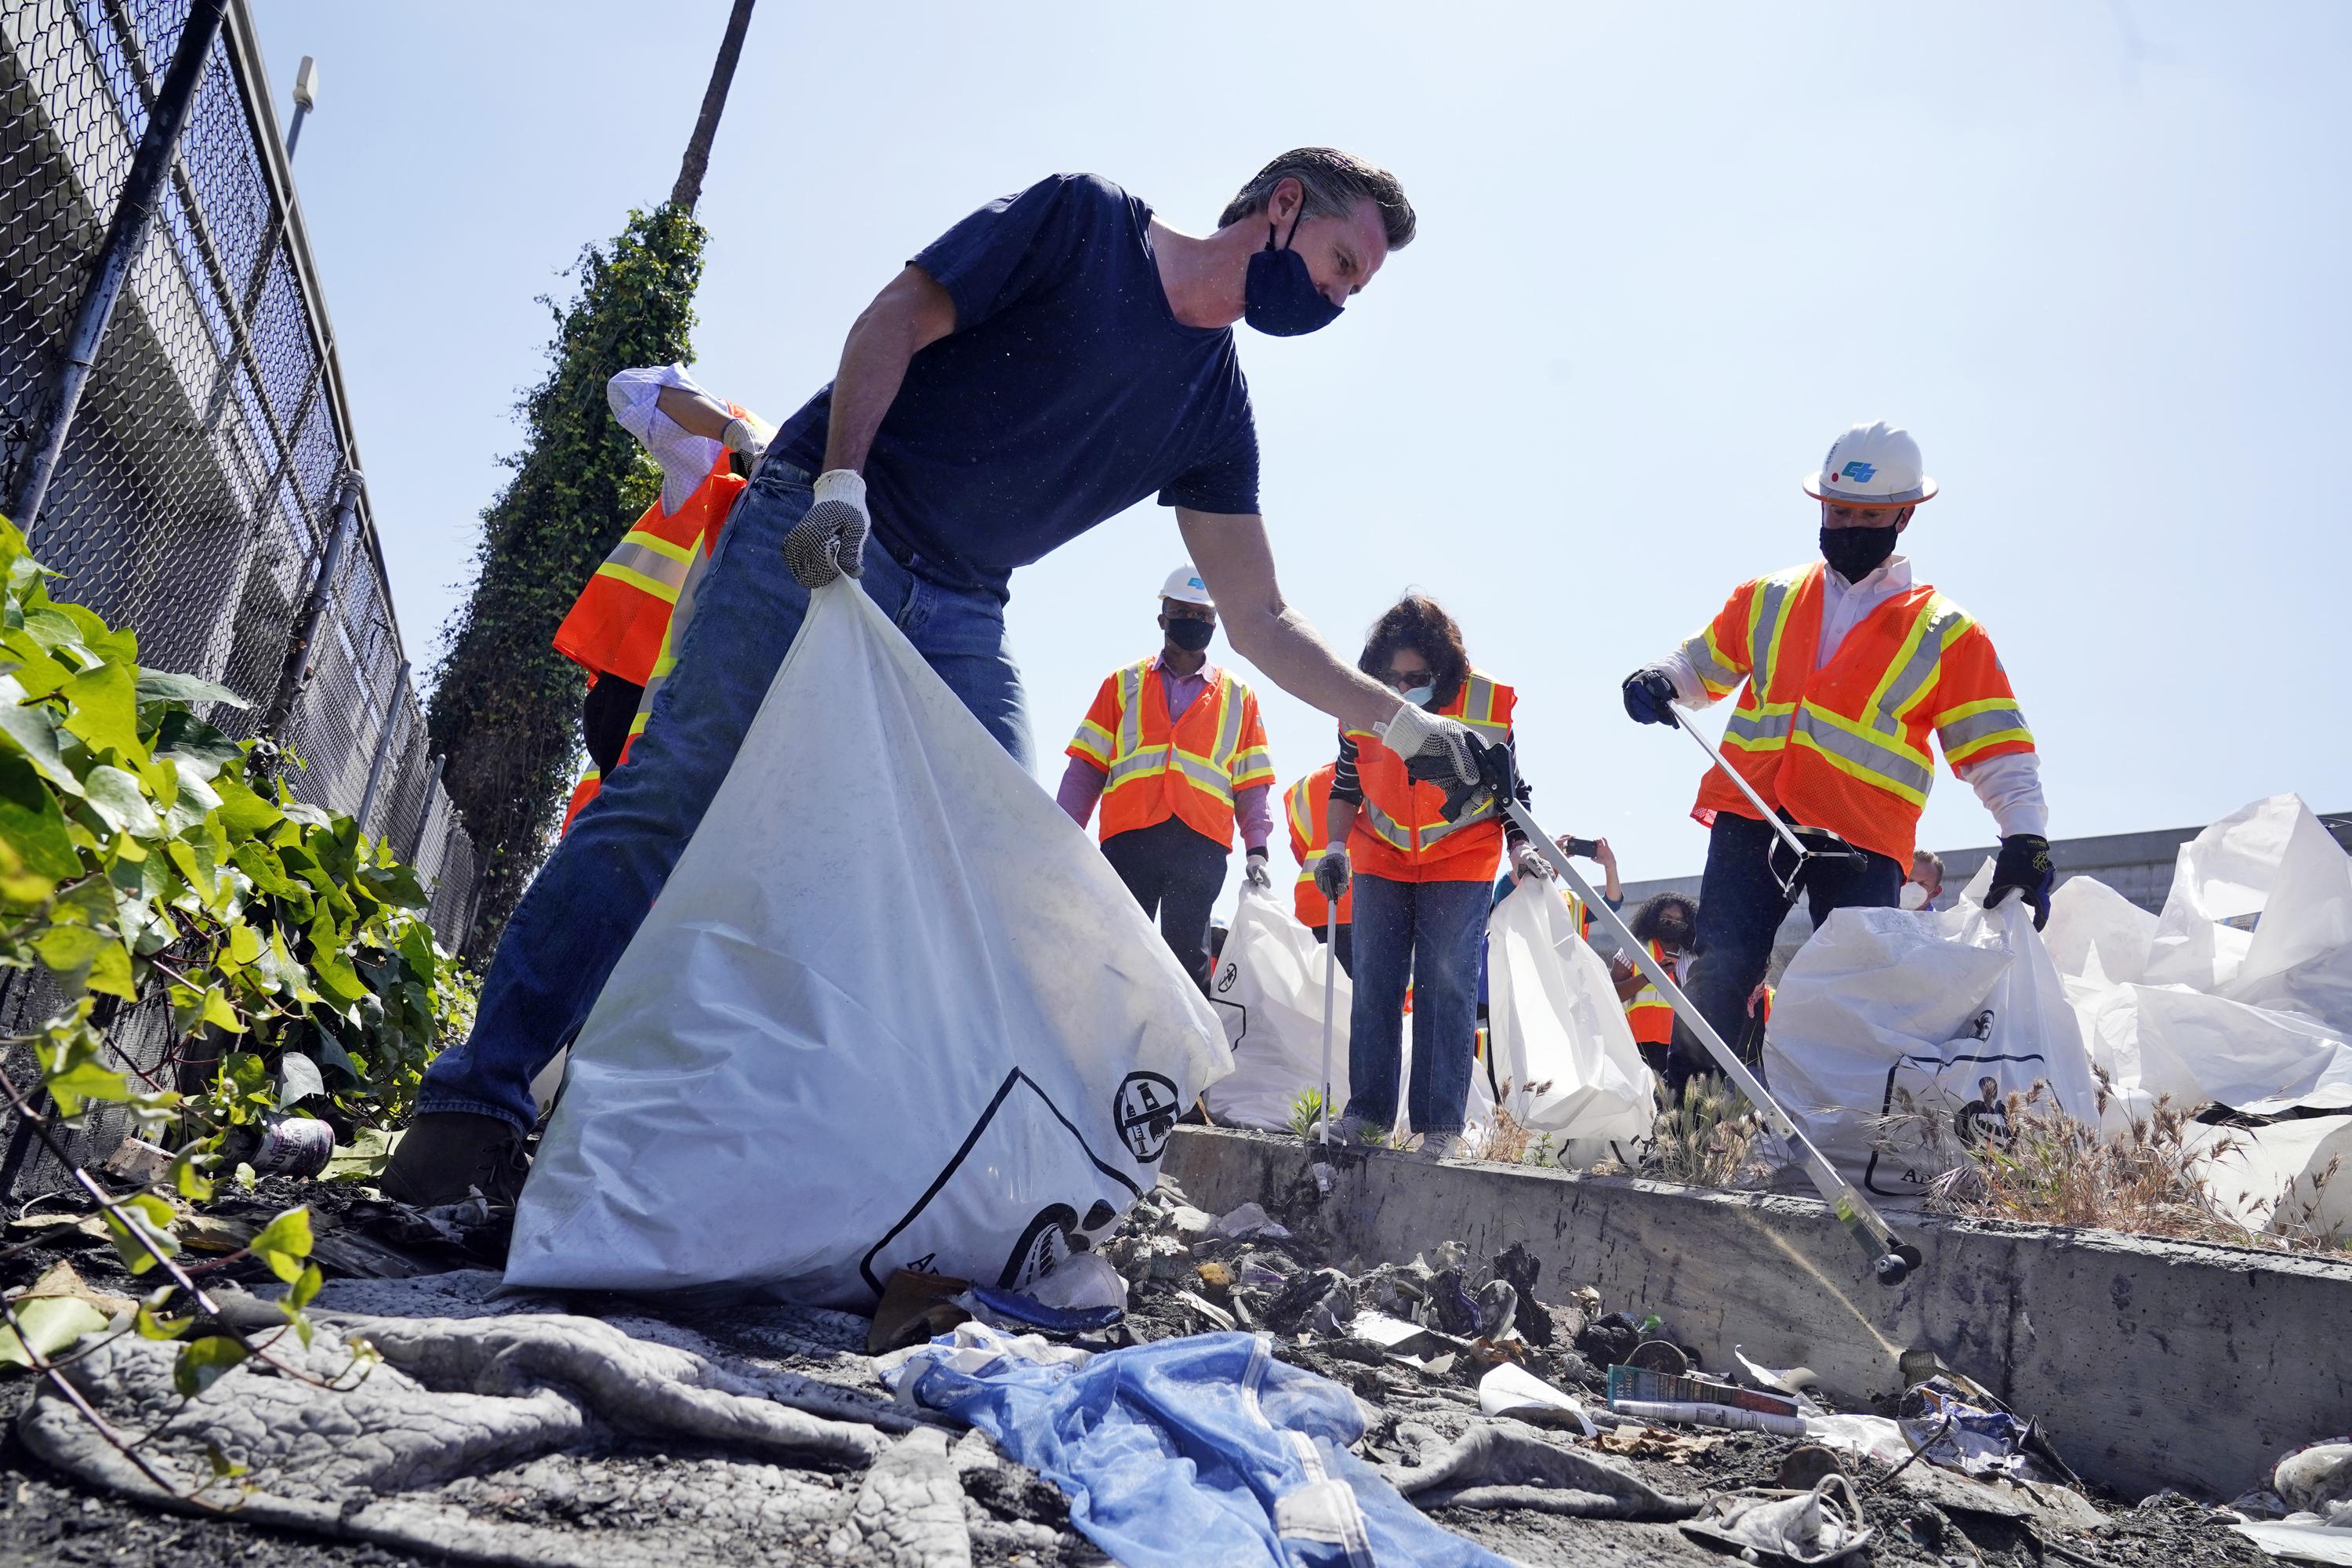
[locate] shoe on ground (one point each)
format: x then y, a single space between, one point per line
1347 1131
445 1156
1435 1146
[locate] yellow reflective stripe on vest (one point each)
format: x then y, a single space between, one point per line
1486 812
1911 674
1760 731
1716 675
1298 802
1649 996
1229 721
1872 758
1478 708
1767 624
1383 826
1973 726
1130 717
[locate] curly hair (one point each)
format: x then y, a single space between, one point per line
1419 623
1646 920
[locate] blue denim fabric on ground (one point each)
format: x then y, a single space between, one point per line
589 898
1201 1451
1430 932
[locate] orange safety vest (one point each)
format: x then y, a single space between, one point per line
1651 1015
591 781
616 627
1307 803
1845 747
1191 768
1401 829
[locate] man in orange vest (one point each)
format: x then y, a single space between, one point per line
617 627
1308 804
1847 665
1175 751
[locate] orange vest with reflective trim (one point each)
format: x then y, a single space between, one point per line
1651 1015
1189 768
1305 804
1845 747
615 625
1401 829
591 783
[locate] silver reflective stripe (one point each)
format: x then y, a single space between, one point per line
1755 730
1207 775
1136 763
1229 729
1701 660
1764 618
646 561
1962 733
1939 619
1486 813
1869 755
1479 704
1384 828
1130 712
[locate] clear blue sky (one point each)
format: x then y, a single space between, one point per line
2092 255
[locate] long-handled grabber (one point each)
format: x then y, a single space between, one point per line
1799 847
1330 965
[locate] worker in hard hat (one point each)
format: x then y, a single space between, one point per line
1844 666
1175 751
616 629
1419 881
1307 805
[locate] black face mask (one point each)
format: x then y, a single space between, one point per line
1855 553
1674 934
1191 635
1279 297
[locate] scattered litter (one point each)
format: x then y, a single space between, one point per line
915 1307
1512 1390
1012 1309
1702 1401
1247 1223
1799 1382
1493 1466
1965 1430
1819 1526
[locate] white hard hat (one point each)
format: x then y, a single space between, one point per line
1184 586
1871 464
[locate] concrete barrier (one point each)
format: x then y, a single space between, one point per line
2151 1364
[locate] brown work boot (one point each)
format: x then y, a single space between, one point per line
445 1156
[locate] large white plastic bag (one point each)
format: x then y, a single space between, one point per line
2260 912
2288 1178
1563 1051
1887 1002
1268 990
891 1009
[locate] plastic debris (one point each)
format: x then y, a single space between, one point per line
1821 1526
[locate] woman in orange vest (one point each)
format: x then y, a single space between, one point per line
1844 666
1308 804
1667 924
616 628
1419 881
1175 751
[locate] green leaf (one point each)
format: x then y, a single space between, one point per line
87 1081
111 974
151 1327
284 1244
219 1014
195 745
297 1078
64 948
203 1361
117 796
53 629
33 823
165 686
333 1055
104 709
49 1324
244 942
309 816
32 729
243 814
305 1289
143 1231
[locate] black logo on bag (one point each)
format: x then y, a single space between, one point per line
1045 1242
1225 981
1145 1111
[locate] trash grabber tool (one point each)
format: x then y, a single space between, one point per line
1330 967
1805 845
1891 1256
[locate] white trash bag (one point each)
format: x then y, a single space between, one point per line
2290 1178
1563 1052
1885 1007
892 1010
1268 989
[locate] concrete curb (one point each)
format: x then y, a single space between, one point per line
2151 1364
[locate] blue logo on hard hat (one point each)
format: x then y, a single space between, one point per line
1196 583
1859 471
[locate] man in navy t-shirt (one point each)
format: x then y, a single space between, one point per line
1047 363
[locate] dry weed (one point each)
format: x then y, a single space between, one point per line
1706 1139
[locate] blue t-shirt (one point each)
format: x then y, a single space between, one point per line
1068 392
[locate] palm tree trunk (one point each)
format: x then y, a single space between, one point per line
688 189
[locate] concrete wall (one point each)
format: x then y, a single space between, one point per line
2151 1364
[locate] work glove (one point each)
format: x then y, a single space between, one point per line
1650 697
1526 862
1254 873
1331 871
1449 755
831 538
746 436
2023 868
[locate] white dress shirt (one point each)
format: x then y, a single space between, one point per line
686 460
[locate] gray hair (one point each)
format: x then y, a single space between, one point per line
1334 182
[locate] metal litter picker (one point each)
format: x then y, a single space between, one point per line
1330 964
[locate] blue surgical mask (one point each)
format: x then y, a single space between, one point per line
1279 297
1418 695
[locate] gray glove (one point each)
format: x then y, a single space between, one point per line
1412 731
749 434
1254 873
1331 870
831 539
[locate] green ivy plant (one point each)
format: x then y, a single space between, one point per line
505 707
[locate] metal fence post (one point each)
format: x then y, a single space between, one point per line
126 236
424 811
382 748
299 652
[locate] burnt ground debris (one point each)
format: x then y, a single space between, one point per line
1186 1273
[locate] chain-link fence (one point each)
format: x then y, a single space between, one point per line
202 483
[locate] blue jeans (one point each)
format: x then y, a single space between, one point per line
589 898
1430 931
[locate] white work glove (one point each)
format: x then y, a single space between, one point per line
1331 870
1414 731
747 436
1254 873
831 539
1529 861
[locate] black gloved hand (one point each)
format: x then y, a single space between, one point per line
1488 764
2023 868
1650 697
